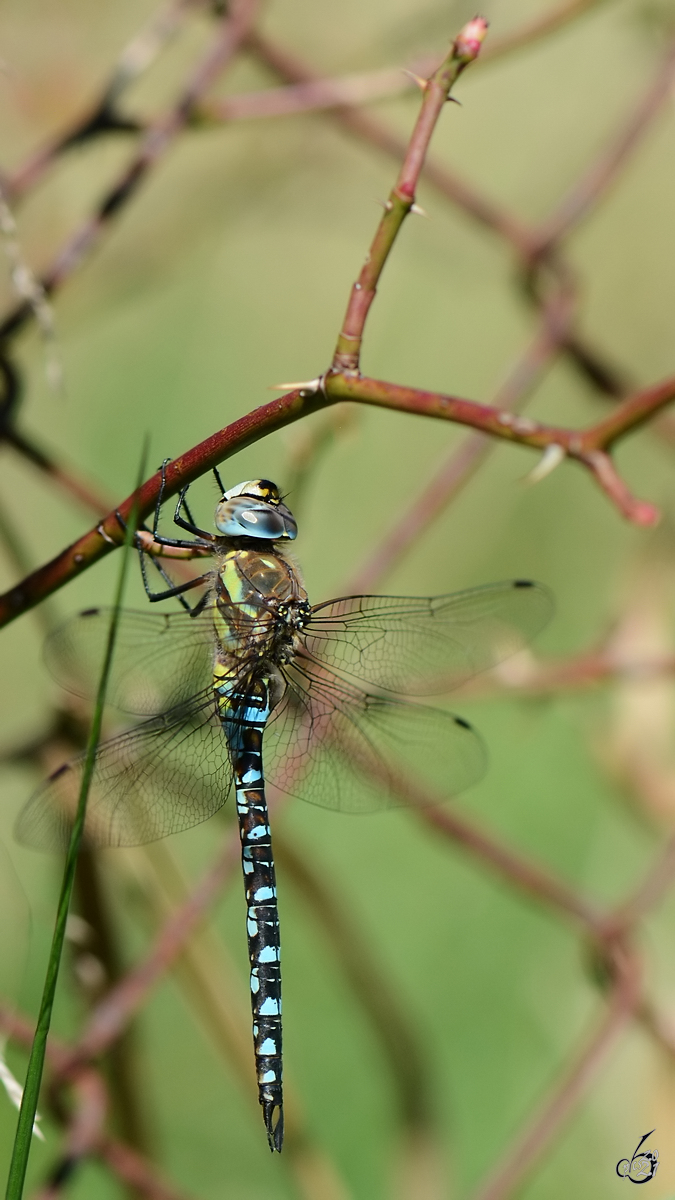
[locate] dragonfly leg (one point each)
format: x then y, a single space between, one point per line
183 502
206 539
218 480
173 589
179 519
199 545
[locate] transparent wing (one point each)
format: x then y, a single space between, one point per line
417 645
326 742
160 660
342 748
165 775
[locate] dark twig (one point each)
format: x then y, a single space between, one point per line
85 493
128 1109
157 139
82 1134
103 116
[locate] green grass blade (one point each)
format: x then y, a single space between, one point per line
24 1129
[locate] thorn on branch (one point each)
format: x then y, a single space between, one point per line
304 386
551 458
421 83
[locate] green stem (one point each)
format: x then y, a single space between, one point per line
24 1129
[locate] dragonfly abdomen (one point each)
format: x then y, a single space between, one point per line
243 720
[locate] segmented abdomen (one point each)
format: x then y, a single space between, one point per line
243 720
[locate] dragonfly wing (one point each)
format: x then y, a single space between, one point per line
160 659
341 748
423 645
167 774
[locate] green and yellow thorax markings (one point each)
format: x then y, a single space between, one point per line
259 606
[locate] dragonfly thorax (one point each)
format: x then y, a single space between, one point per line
260 605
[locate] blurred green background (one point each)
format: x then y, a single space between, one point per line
228 273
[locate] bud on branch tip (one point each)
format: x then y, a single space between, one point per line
470 39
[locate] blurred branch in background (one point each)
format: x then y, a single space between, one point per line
531 1143
156 140
87 1137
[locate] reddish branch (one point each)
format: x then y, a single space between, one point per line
486 212
588 447
464 50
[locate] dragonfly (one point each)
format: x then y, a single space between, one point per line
330 690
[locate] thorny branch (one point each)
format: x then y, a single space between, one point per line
436 91
588 447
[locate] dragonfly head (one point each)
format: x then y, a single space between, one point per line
255 509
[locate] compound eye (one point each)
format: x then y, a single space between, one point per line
241 518
263 522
